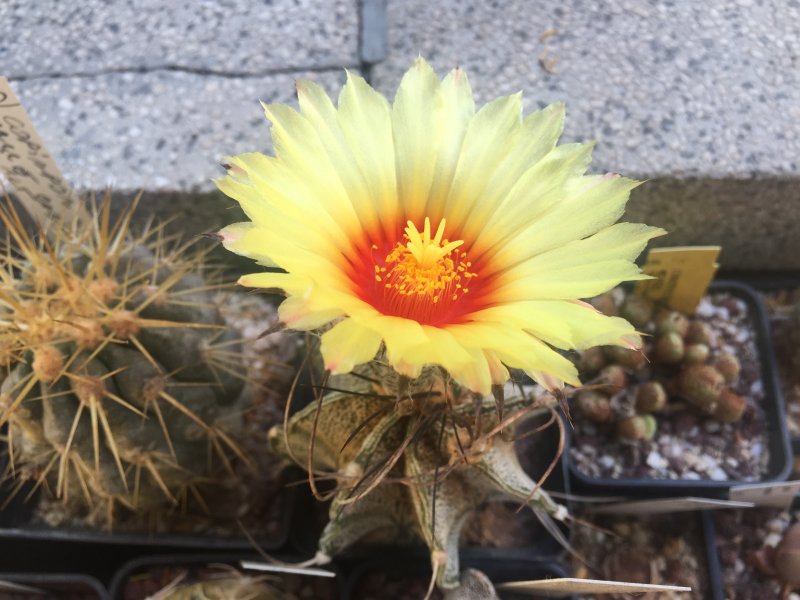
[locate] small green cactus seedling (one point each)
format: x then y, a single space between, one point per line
650 397
669 349
696 354
412 459
123 386
637 427
593 405
638 310
729 366
671 321
701 385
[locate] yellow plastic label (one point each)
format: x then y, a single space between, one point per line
682 275
27 165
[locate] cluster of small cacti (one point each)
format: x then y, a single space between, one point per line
412 459
680 361
122 385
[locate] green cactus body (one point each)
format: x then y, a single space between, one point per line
122 388
436 471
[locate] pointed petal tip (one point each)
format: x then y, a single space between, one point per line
212 235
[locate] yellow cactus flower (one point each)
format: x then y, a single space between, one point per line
442 234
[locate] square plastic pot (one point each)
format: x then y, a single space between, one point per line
17 523
777 436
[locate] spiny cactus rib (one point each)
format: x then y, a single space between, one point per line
123 386
411 467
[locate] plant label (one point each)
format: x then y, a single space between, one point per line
681 275
251 565
27 165
10 586
778 495
667 505
566 586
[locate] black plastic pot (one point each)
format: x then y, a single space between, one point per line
712 558
796 459
695 529
144 564
417 567
16 523
780 455
67 586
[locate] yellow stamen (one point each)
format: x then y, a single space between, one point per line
424 270
428 251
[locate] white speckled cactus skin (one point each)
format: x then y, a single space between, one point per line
435 475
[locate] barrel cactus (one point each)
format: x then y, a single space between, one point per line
412 458
122 385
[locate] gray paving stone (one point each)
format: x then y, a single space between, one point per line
155 131
44 37
695 95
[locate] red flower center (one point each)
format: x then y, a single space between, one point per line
428 279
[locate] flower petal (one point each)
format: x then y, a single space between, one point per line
538 136
365 119
487 141
348 344
416 124
565 324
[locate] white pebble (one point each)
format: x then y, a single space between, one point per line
718 475
656 461
705 309
606 461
